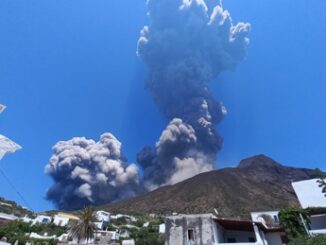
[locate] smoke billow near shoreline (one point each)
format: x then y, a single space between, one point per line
186 44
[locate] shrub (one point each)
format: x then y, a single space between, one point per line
291 222
305 240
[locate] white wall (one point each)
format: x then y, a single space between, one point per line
274 238
4 243
255 215
128 242
7 217
176 235
161 229
309 193
60 221
103 216
42 219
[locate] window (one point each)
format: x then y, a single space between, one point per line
275 218
191 235
45 220
251 239
231 240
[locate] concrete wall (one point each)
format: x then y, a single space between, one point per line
177 229
219 232
208 232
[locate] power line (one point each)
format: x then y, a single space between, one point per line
15 189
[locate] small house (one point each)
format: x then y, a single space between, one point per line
63 219
207 229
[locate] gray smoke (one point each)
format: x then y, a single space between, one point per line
186 45
88 172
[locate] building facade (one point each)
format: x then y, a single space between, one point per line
207 229
310 196
63 219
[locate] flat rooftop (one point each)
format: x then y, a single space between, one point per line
309 193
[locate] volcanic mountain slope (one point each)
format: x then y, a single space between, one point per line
257 184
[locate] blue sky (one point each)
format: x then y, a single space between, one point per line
69 68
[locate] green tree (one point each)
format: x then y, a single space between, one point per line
321 180
17 230
14 228
291 221
305 240
147 236
84 229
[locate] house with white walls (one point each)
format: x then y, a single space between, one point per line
5 218
103 219
27 219
42 219
127 217
270 220
42 237
310 196
207 229
63 219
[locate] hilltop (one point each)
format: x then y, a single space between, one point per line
258 183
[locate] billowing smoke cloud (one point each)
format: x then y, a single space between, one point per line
186 45
88 172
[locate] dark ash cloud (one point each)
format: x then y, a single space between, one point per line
186 45
88 172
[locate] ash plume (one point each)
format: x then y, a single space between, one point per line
186 45
88 172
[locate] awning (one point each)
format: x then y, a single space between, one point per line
7 146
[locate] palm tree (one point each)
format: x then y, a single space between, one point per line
84 229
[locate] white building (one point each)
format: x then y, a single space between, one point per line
5 218
128 242
309 193
42 237
128 217
310 196
27 219
63 219
206 229
103 219
42 219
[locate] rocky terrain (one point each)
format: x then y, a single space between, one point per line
258 183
